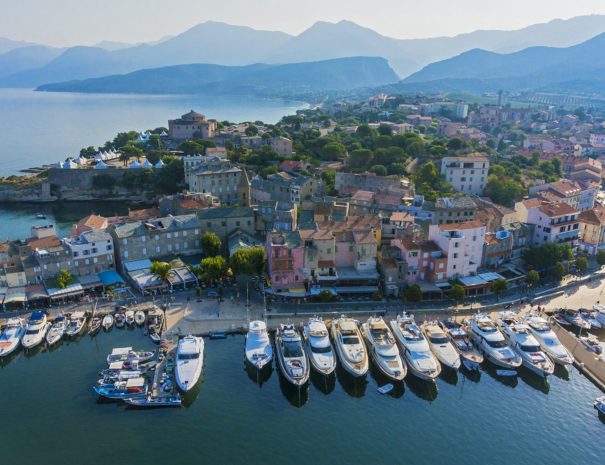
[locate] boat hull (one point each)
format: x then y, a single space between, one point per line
30 343
9 349
281 362
385 370
510 365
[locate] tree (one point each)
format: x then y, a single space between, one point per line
332 151
385 129
160 270
532 277
155 141
153 156
363 131
546 255
239 262
211 244
558 271
64 279
457 293
213 268
601 257
581 264
499 286
258 258
128 151
189 147
172 175
379 170
326 296
251 130
413 293
360 158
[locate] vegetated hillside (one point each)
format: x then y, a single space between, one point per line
337 74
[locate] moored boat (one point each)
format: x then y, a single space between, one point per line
291 355
350 346
77 323
119 320
129 317
573 317
57 330
125 354
107 322
383 348
590 317
548 340
154 401
110 378
599 404
94 326
11 336
421 362
189 362
134 387
441 346
318 345
37 326
258 346
592 343
492 342
471 357
139 317
600 313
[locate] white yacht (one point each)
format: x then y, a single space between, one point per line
291 355
77 323
471 357
573 316
129 317
548 340
491 341
56 331
600 313
37 325
415 348
441 346
525 344
11 336
107 322
350 346
189 362
319 348
383 348
258 346
590 316
127 354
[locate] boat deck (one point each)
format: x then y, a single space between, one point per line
586 361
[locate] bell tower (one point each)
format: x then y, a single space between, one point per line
243 190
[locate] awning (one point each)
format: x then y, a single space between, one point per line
317 290
444 285
36 292
357 289
71 290
145 280
137 265
15 297
472 281
426 286
90 281
110 277
490 276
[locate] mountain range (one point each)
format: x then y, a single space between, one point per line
223 44
260 79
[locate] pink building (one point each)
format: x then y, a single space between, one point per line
285 263
555 222
425 260
463 245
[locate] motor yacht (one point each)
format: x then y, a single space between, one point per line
592 343
421 362
441 346
107 322
125 354
548 340
77 323
469 355
258 346
56 331
600 313
590 316
350 346
37 326
291 355
573 317
383 348
493 344
526 345
318 345
189 362
11 336
129 317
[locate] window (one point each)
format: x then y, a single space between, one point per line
87 261
453 267
176 234
157 238
143 239
126 254
328 250
75 263
157 249
350 248
441 266
455 255
124 241
168 235
185 245
169 247
144 251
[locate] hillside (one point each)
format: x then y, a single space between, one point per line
337 74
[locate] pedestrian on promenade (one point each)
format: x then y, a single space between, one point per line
218 312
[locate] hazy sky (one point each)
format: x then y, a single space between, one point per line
71 22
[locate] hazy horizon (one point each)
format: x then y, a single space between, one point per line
64 23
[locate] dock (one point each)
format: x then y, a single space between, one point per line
160 368
586 361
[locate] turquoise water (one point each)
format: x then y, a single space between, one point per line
44 127
51 415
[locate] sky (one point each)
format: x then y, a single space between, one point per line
86 22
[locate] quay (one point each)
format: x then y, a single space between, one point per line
586 361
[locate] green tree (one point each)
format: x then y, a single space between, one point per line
360 158
413 293
499 286
160 270
240 263
332 151
385 129
258 258
532 277
211 244
457 293
379 170
153 156
558 271
213 268
601 257
128 151
364 131
189 147
64 279
581 264
155 141
251 130
172 175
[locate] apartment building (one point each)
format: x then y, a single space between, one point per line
592 230
554 222
467 174
217 177
92 252
463 245
425 260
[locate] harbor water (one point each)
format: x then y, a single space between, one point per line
51 415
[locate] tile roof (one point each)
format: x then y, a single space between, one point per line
557 209
93 221
320 235
593 216
364 237
401 216
458 226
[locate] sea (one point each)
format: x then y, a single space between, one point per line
45 127
51 415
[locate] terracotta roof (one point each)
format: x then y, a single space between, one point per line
191 204
352 222
491 239
363 196
364 237
143 214
402 216
557 209
291 164
565 187
325 264
321 234
407 243
593 216
93 221
550 195
532 203
44 243
465 225
389 263
429 246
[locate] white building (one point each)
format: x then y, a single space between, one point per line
463 244
467 174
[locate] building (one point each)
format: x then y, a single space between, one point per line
425 260
285 264
366 181
244 193
191 125
223 221
397 226
286 188
281 145
467 174
463 245
88 223
576 194
494 216
185 204
554 222
448 210
92 252
506 244
592 230
276 216
219 178
458 110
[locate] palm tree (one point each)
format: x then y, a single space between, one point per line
161 270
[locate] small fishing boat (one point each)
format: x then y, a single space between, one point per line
11 336
258 346
124 354
41 216
94 326
383 348
56 331
592 343
107 322
154 401
37 326
471 357
573 317
218 335
441 346
129 365
129 317
492 342
155 337
319 349
155 321
385 389
139 317
189 362
350 346
548 340
77 323
590 316
110 378
291 355
599 404
135 387
119 320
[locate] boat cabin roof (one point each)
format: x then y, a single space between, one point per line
520 329
116 365
121 351
188 345
37 316
135 382
78 314
14 322
347 326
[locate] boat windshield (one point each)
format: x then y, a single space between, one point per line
321 350
353 340
530 348
439 340
32 331
497 344
188 356
292 349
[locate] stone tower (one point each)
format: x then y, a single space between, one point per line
243 190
